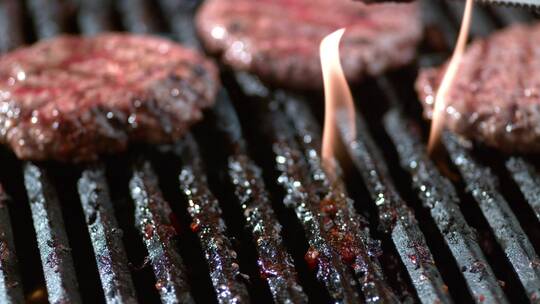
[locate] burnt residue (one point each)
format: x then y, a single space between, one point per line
106 237
332 269
52 240
153 220
483 185
440 197
205 211
10 282
395 217
347 230
528 180
275 264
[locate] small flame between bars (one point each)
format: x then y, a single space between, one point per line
337 98
441 99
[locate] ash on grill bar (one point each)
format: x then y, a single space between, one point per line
247 208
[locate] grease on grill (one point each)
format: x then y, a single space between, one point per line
205 211
152 215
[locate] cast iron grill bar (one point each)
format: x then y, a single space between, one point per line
294 178
10 281
106 237
105 234
179 15
528 180
135 16
209 226
481 24
290 162
439 196
47 17
483 185
94 16
274 262
362 251
153 220
52 240
10 25
395 216
204 207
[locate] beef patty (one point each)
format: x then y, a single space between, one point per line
278 40
71 98
496 96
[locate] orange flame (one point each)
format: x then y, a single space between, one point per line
337 97
441 99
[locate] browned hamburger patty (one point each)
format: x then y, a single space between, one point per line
496 96
71 98
278 40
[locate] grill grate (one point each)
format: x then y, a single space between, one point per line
274 262
192 249
439 196
51 234
106 237
482 184
154 220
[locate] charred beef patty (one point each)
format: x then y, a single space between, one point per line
278 40
71 98
496 96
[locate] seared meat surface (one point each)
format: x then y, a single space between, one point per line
72 98
278 40
496 96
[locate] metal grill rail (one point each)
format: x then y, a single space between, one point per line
302 176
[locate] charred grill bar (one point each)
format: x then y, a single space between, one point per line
483 184
395 216
289 161
275 264
528 180
47 17
105 234
106 237
349 230
204 208
53 243
51 235
94 16
440 197
153 219
210 227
